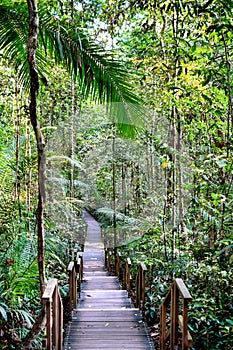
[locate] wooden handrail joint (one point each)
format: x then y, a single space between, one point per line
54 315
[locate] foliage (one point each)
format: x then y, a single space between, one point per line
171 186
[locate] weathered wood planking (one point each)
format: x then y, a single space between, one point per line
105 317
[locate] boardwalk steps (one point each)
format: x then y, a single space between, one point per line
105 317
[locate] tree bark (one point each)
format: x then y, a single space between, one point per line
17 152
34 87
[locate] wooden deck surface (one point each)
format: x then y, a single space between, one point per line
105 317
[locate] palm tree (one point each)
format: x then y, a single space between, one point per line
30 40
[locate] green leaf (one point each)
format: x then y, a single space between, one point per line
3 312
221 163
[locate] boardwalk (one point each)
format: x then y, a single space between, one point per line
105 318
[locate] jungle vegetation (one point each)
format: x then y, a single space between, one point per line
125 109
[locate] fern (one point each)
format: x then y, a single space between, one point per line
4 310
210 218
24 317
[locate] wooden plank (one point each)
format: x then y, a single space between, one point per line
102 325
183 289
143 266
162 326
48 293
85 318
102 294
103 346
126 337
70 266
122 312
95 332
128 261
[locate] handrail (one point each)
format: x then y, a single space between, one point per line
54 306
75 270
140 284
54 315
109 261
177 290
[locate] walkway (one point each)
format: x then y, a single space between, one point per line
105 318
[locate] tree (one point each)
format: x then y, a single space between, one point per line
98 74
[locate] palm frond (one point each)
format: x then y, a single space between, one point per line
64 159
14 38
99 73
24 317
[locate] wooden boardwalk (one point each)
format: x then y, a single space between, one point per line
105 317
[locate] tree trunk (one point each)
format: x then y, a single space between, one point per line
34 87
180 173
17 151
29 175
114 194
72 141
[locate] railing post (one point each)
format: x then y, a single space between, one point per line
186 299
163 312
185 325
127 275
141 287
177 290
60 323
54 315
109 261
174 316
58 319
106 258
49 324
81 267
118 265
137 288
72 287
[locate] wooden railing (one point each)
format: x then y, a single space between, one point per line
124 275
78 263
75 270
54 306
54 316
72 287
127 276
172 301
178 319
118 265
109 261
141 287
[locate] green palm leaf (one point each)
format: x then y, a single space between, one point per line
99 74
